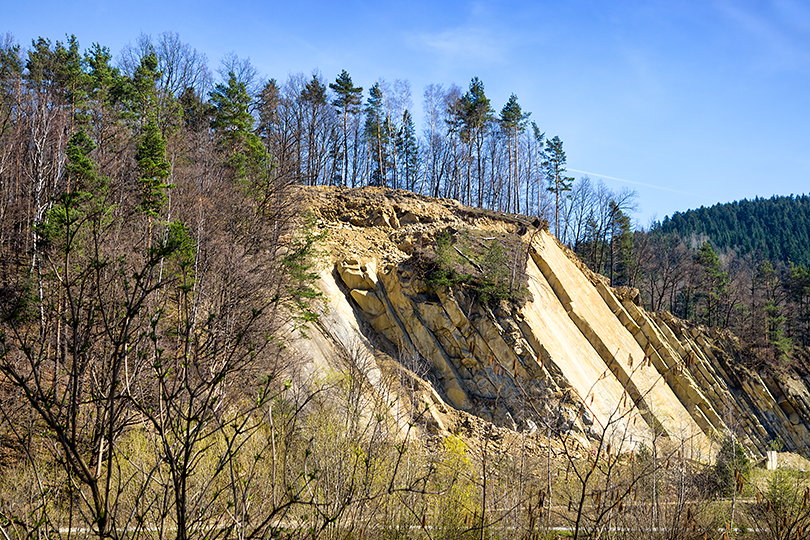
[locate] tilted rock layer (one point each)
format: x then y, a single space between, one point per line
576 355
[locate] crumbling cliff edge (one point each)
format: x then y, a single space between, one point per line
575 354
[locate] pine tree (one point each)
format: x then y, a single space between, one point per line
471 116
58 72
347 103
244 152
377 135
313 99
101 76
103 89
535 165
153 168
554 171
11 68
513 123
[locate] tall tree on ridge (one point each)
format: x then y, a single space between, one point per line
377 135
347 103
274 127
244 153
408 149
513 123
554 170
317 130
471 117
534 163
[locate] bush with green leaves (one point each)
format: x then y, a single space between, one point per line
782 510
490 269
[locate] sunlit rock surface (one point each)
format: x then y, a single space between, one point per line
575 356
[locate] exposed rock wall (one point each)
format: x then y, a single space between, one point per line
576 354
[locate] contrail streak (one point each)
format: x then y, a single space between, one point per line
626 181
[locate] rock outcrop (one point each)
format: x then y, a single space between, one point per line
575 354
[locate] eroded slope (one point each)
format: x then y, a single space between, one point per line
573 354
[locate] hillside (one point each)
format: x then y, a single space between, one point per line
776 229
570 351
206 333
388 362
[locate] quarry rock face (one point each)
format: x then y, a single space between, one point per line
574 355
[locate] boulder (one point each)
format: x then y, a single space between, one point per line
368 302
356 275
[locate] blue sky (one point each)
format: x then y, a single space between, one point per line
687 102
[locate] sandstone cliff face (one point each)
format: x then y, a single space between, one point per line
577 355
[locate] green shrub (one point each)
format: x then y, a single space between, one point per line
490 269
782 511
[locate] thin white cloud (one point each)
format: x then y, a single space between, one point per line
468 43
632 182
779 37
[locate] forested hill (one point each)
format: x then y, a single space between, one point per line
776 229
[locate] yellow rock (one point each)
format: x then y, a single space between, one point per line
368 302
576 344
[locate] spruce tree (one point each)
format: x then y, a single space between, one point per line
267 107
408 149
80 169
621 247
712 285
196 113
82 203
143 89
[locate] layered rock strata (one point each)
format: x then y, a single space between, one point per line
577 355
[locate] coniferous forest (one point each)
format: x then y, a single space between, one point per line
153 252
740 265
774 229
